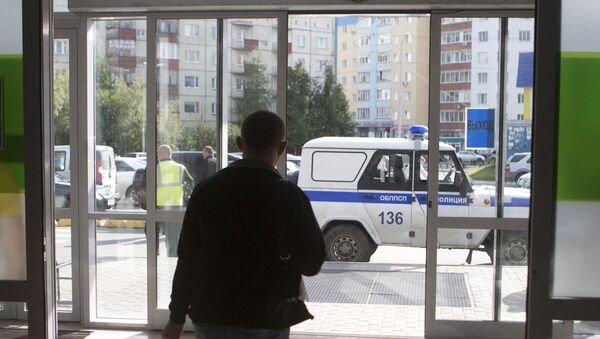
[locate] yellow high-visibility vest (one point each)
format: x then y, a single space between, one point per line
169 183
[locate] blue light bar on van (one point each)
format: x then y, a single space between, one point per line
417 132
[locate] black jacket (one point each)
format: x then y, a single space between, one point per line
228 265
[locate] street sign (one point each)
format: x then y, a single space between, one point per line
480 128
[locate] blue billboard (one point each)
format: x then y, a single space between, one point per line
480 128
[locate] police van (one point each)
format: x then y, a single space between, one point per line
367 192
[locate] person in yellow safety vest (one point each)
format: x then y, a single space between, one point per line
173 185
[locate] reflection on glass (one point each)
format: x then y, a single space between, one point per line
250 73
120 110
121 280
469 111
466 292
187 112
518 107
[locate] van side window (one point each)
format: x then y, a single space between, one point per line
337 166
388 170
448 169
60 159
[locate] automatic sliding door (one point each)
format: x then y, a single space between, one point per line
480 202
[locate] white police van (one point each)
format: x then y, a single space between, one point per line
372 191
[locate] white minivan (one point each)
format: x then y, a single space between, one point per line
367 192
105 171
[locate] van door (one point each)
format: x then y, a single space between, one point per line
451 202
385 189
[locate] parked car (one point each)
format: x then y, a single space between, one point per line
470 157
126 168
294 159
525 180
135 155
517 165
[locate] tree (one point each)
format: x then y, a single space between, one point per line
256 92
119 111
61 107
298 103
328 109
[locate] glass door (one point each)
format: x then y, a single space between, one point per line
64 120
480 151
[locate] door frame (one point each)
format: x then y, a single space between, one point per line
435 328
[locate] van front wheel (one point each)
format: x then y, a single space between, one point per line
347 242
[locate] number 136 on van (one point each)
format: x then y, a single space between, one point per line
391 218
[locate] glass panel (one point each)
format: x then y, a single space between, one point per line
361 81
469 116
249 72
187 116
577 186
187 126
120 111
121 280
518 108
12 143
466 292
576 329
62 174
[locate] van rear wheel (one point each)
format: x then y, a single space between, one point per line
347 242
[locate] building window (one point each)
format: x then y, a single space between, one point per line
383 57
192 30
456 57
168 27
483 57
213 108
363 113
449 96
383 94
450 37
192 81
141 34
408 57
466 36
365 40
407 76
524 35
213 83
407 96
449 77
383 112
520 98
168 50
452 116
322 65
322 43
408 19
520 116
383 39
61 47
406 115
482 98
191 107
364 60
263 43
482 77
301 41
192 56
408 38
363 95
239 84
364 77
383 76
483 36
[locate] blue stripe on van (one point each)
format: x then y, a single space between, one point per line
445 200
367 197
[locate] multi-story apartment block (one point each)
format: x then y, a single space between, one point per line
455 79
382 64
311 41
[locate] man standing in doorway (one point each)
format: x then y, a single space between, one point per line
247 237
173 183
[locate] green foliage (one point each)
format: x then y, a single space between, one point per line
60 112
119 111
316 109
257 95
